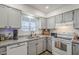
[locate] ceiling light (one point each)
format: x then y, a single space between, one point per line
46 7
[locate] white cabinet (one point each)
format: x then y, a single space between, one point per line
32 47
51 23
3 16
43 22
58 18
68 16
49 45
17 49
36 47
44 44
14 18
76 18
9 17
39 46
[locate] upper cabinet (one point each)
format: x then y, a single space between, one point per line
14 18
58 18
76 18
51 23
9 17
68 16
3 16
42 22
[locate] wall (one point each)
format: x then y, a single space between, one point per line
6 32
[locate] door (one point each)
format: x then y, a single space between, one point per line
14 18
49 43
32 47
68 16
44 44
3 16
76 18
17 49
39 46
43 23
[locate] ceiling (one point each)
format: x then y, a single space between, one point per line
42 7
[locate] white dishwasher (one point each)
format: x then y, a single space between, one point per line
17 49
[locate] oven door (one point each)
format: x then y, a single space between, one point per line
64 48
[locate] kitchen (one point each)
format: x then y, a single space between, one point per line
39 29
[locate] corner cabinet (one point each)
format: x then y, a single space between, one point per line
76 18
9 17
51 23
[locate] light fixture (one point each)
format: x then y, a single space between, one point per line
47 7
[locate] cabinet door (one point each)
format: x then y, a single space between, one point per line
14 18
43 23
76 18
3 16
32 48
16 49
51 23
58 18
67 16
39 46
49 43
44 44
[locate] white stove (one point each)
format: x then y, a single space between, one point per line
62 44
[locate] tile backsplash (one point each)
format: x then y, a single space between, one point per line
6 31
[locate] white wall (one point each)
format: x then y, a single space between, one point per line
63 9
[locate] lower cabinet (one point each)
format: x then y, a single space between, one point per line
36 47
31 47
17 49
49 45
39 46
44 44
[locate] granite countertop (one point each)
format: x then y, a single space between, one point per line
20 40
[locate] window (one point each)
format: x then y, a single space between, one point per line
28 24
